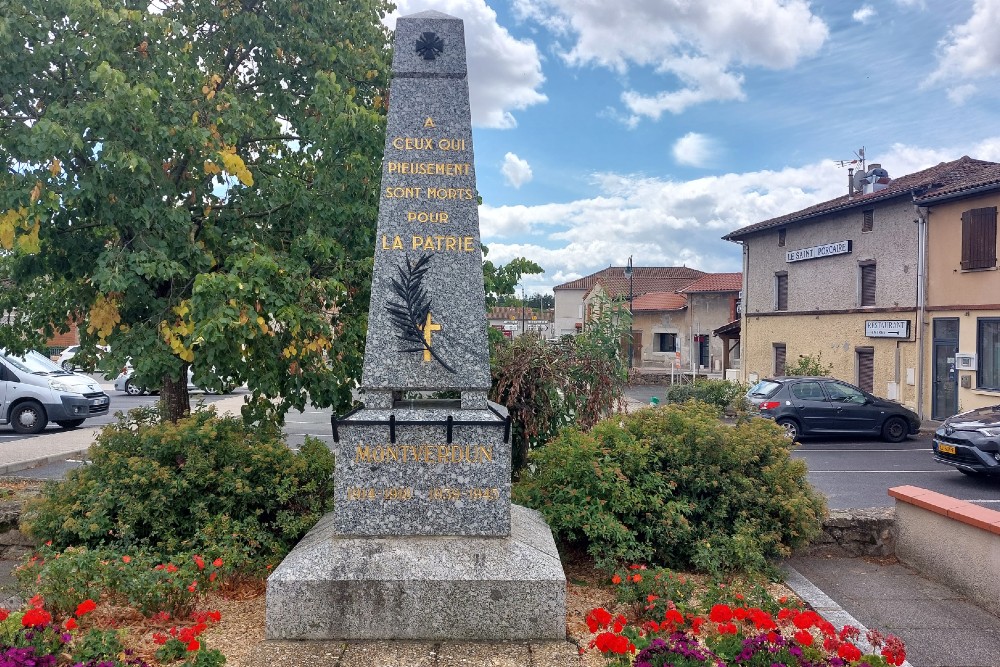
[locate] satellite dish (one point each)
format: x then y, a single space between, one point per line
860 180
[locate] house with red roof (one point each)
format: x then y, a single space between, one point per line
851 279
674 310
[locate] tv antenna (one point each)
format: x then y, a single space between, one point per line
859 158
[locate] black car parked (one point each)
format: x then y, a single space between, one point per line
970 442
822 405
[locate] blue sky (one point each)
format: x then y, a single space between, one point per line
650 128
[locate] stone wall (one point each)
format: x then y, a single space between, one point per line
856 532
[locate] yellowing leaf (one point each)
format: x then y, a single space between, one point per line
55 167
36 192
212 168
103 317
29 243
194 118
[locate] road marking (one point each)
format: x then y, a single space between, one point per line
863 450
982 501
879 471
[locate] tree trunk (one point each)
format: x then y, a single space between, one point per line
175 402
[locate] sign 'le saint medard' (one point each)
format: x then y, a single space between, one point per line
423 541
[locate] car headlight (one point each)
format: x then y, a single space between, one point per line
58 385
992 431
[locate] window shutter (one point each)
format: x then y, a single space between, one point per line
779 359
782 296
869 220
866 370
979 238
781 238
868 285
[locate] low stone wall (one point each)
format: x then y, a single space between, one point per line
950 541
856 532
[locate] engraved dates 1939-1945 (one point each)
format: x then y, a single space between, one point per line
437 493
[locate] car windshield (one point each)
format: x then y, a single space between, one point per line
35 363
763 389
844 394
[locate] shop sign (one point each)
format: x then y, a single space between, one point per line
887 328
817 251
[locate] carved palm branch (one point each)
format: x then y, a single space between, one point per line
410 316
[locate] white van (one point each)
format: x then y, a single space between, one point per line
34 391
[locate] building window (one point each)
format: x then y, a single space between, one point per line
666 342
988 353
865 358
867 280
868 223
979 238
779 359
781 238
781 291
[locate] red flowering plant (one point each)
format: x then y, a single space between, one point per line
735 623
183 642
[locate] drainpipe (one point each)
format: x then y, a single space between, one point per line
744 310
923 214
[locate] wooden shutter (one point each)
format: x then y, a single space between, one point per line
866 369
781 238
779 359
868 285
979 238
781 287
868 224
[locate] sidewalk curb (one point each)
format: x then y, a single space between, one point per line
825 606
18 466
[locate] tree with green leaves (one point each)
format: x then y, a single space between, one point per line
502 280
195 182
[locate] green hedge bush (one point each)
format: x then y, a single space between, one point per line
206 484
725 395
675 487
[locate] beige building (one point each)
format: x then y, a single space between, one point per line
515 320
675 310
844 280
962 313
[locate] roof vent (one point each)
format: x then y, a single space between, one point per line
873 180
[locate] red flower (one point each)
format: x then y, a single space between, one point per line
636 577
171 568
727 628
674 616
85 607
804 637
651 597
159 638
212 576
806 620
598 619
37 602
720 613
193 645
199 561
740 613
849 652
608 642
772 636
616 580
71 624
217 562
620 623
192 586
215 616
35 617
126 559
4 614
739 596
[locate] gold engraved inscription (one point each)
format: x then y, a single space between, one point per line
439 454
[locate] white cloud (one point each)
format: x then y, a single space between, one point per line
515 171
971 50
700 43
505 73
695 150
959 94
864 14
668 222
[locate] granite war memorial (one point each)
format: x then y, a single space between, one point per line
423 541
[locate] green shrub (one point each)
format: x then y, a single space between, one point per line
809 365
675 487
725 395
205 485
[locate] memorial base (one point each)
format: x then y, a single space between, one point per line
438 588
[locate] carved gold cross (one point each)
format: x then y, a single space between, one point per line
429 327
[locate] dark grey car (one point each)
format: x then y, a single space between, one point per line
821 405
970 442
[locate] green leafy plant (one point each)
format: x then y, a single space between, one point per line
675 487
726 395
549 385
809 365
205 485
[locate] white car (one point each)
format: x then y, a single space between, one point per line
125 384
65 359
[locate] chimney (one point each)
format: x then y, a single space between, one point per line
850 182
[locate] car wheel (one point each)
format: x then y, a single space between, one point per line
67 366
791 428
28 417
132 389
69 423
895 429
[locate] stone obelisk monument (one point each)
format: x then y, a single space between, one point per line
423 542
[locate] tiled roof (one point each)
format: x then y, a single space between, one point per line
729 328
644 279
716 282
955 176
659 301
514 313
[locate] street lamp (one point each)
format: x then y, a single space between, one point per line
628 274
